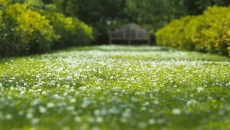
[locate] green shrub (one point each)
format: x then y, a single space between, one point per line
209 32
25 31
5 31
33 28
72 32
166 36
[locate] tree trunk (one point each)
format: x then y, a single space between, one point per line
64 6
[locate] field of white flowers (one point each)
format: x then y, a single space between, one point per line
115 88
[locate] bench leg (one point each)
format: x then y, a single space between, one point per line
110 41
129 42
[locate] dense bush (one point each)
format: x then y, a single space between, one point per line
72 32
209 32
27 31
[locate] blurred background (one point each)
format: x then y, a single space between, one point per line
35 26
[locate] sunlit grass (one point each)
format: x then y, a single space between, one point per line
115 88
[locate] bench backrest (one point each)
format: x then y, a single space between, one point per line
126 34
129 32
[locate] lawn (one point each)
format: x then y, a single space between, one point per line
115 88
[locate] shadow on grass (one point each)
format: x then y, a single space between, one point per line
137 48
126 48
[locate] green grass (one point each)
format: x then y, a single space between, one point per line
115 88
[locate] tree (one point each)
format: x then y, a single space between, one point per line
194 7
152 14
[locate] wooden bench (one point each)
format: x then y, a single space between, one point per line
130 33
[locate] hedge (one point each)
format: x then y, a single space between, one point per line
209 32
72 31
27 31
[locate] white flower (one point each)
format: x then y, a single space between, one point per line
96 128
127 113
142 125
99 119
97 112
29 115
42 109
44 92
77 119
191 102
8 116
39 90
176 111
91 120
50 105
146 103
35 102
72 100
156 102
83 88
200 89
20 113
70 108
35 121
114 110
152 121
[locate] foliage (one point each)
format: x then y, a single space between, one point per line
72 32
194 7
28 29
101 14
207 33
23 33
173 28
37 36
104 15
115 88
